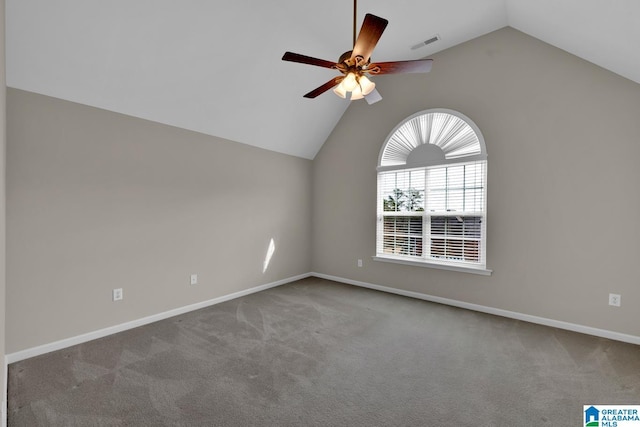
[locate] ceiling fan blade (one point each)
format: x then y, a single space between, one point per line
397 67
372 28
303 59
373 97
325 87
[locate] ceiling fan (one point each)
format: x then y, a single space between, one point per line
355 65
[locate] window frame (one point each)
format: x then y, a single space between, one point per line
426 163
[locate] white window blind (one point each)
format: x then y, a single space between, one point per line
433 213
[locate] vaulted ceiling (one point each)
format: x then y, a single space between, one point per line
215 66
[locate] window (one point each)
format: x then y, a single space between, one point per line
432 193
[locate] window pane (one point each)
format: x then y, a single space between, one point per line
450 193
473 226
455 200
416 191
402 225
403 235
403 180
455 226
394 201
415 246
472 250
467 226
417 178
454 249
474 175
437 248
389 225
403 191
474 187
455 176
439 225
437 190
457 188
388 196
414 200
456 238
473 200
415 225
389 245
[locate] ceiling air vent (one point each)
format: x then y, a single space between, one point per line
426 42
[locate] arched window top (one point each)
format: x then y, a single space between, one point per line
431 137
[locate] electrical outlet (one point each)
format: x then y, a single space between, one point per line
359 263
117 294
194 279
614 299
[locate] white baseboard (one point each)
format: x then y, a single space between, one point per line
68 342
632 339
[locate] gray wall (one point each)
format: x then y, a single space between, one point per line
563 174
2 196
98 200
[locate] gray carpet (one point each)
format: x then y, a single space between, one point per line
319 353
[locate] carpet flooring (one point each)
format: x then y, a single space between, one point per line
320 353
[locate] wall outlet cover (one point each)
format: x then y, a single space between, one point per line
614 300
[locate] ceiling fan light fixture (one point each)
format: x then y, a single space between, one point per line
349 83
340 91
366 85
357 94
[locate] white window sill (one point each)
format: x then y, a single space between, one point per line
427 264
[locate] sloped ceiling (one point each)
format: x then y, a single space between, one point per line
215 66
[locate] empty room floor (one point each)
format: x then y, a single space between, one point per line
320 353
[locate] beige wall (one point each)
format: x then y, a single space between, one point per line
563 176
98 200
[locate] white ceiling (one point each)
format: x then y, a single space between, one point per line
215 66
